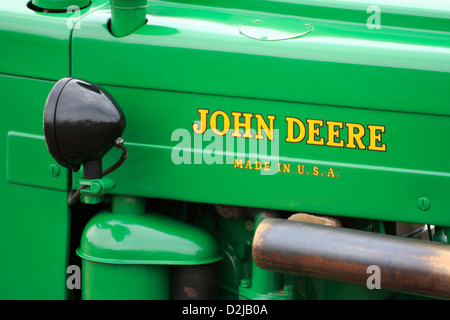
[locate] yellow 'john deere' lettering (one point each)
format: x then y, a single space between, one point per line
261 124
329 133
332 134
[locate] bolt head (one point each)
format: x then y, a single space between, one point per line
96 187
246 283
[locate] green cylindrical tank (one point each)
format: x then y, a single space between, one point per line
102 281
128 253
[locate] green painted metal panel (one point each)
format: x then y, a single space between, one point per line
42 171
340 79
424 15
127 16
194 58
363 183
37 44
34 221
32 46
196 49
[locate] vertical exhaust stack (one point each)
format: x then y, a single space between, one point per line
127 16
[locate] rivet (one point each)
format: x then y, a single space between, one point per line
423 204
53 169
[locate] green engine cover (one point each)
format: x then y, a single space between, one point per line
344 115
334 107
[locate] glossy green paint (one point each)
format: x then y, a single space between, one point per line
127 16
191 55
378 185
36 44
95 190
421 15
20 170
129 235
188 49
34 218
127 253
185 58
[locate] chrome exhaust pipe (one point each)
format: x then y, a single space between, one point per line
406 265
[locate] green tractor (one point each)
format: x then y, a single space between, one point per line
224 150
